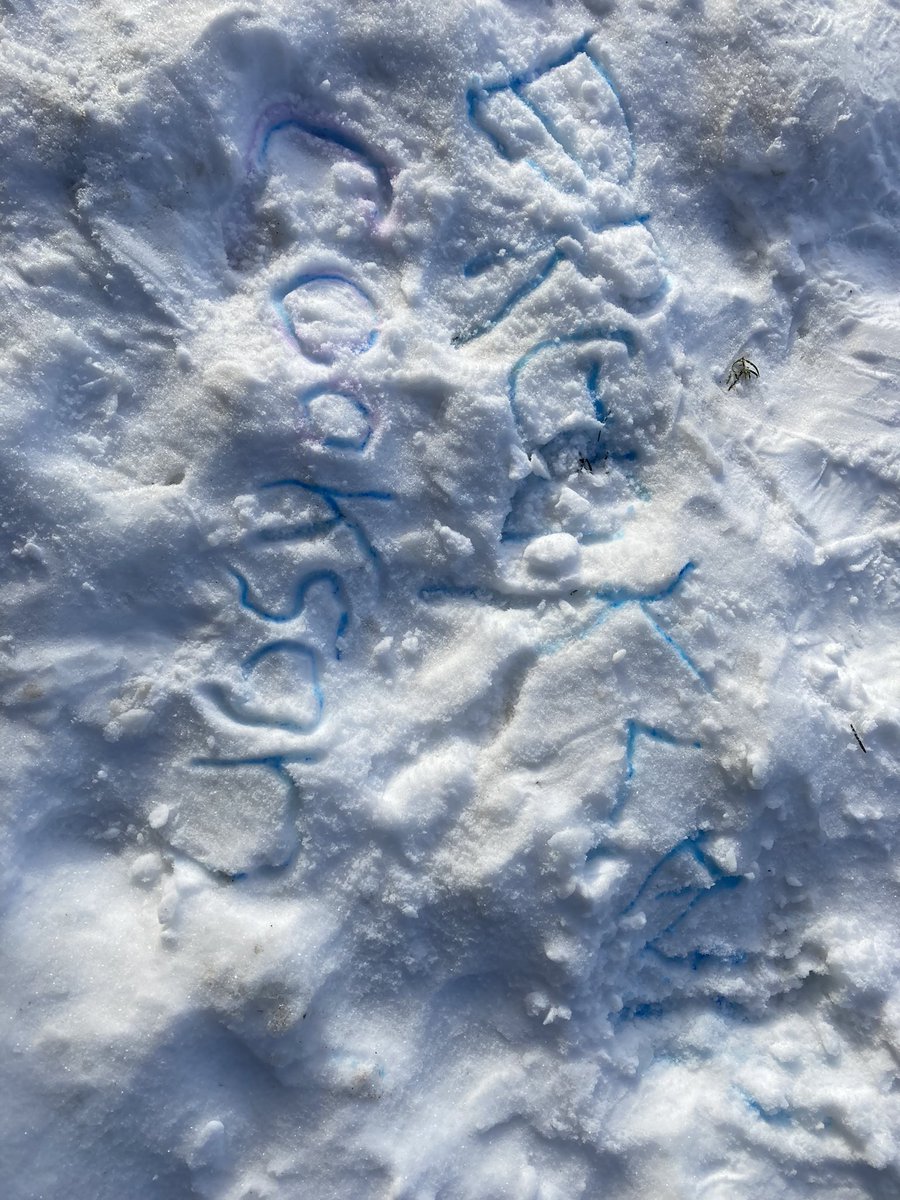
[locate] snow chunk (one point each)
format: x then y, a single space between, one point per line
553 554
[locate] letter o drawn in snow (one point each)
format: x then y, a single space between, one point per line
340 421
328 317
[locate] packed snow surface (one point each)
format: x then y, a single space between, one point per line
450 664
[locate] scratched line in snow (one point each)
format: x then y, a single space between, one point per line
579 135
329 316
633 730
326 315
302 676
618 597
332 498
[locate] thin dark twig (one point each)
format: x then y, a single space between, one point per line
858 740
741 368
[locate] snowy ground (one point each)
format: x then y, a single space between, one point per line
427 686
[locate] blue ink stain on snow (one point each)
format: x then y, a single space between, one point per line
547 122
723 883
698 892
592 383
695 959
476 100
634 730
677 649
483 262
448 591
690 846
647 1011
619 222
304 531
580 337
619 596
771 1116
327 492
515 297
276 763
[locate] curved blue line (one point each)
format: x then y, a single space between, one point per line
281 646
641 305
298 281
483 262
578 338
295 533
276 763
305 530
336 137
524 290
723 883
619 596
515 297
517 83
690 845
328 495
280 294
244 715
304 584
341 443
607 79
